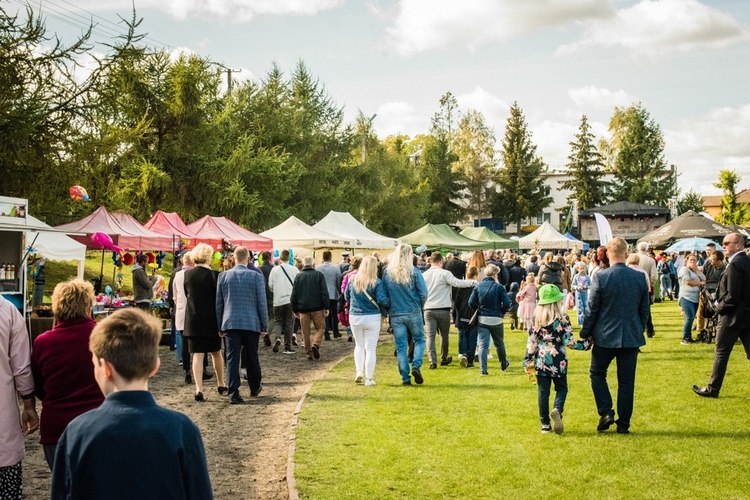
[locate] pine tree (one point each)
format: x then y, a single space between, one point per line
732 212
586 170
475 147
523 191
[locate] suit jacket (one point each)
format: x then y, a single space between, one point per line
241 300
619 306
733 296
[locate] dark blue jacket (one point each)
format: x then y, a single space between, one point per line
618 306
495 301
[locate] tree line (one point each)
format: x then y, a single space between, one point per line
144 130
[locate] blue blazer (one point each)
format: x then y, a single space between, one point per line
619 306
241 300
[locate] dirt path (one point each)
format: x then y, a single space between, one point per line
246 445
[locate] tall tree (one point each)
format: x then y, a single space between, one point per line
522 189
692 200
475 147
732 211
640 169
436 162
586 170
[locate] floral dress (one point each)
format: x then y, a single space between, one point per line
546 348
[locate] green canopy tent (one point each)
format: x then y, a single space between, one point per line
484 234
442 237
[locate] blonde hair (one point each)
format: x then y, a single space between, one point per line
187 259
367 275
546 314
478 260
618 247
633 259
400 265
72 299
202 253
491 270
356 261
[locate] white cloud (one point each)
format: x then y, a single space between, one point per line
652 27
551 139
600 99
494 109
423 25
233 10
400 118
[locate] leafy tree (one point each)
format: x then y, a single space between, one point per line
475 147
732 211
523 192
640 170
691 200
586 170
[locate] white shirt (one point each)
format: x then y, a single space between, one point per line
439 283
280 285
180 299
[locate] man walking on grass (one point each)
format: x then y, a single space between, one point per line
332 275
310 303
615 323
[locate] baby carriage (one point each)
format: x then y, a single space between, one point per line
709 313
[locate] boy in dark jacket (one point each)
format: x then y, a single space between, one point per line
513 311
462 313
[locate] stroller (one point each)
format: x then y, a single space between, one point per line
709 313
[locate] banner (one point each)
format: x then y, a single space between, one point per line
605 232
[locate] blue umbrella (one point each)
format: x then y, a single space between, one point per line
690 244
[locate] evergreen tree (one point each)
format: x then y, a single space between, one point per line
640 169
691 200
475 147
523 192
586 170
732 211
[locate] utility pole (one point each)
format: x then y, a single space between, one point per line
365 132
228 71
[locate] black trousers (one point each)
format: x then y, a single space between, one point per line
626 357
726 337
242 343
332 320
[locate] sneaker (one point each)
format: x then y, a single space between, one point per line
504 365
294 340
417 376
686 341
289 351
316 351
433 366
470 365
358 379
485 372
277 345
406 383
463 362
369 382
546 428
446 361
237 400
557 423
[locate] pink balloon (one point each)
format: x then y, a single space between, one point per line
105 241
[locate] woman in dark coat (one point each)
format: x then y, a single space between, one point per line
201 328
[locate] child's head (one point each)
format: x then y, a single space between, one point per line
581 268
550 306
530 278
128 341
472 273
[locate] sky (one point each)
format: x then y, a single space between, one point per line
686 61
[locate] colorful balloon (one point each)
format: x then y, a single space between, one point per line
104 241
127 259
217 257
78 194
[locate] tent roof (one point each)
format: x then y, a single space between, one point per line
345 225
546 237
214 229
132 237
443 237
584 246
170 224
685 226
53 245
293 233
483 234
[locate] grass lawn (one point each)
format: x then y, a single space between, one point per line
464 435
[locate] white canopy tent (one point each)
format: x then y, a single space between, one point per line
546 237
54 245
343 224
293 233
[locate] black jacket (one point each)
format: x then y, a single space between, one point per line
551 273
310 292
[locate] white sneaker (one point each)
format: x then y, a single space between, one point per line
463 361
557 423
369 382
358 379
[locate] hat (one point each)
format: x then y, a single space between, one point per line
345 254
549 294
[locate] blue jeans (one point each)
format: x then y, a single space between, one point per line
561 393
601 357
467 341
484 333
402 325
582 297
690 309
178 344
666 285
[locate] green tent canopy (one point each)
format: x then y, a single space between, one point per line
442 237
484 234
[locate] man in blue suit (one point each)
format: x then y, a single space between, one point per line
242 314
618 312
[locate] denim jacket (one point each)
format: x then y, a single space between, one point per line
360 305
495 301
406 298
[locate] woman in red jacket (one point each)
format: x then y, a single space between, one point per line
61 363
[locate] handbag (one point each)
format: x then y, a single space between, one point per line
475 317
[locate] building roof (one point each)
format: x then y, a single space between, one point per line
625 208
715 201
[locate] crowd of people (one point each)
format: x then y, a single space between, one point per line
226 315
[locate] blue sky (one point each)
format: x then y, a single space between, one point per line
687 61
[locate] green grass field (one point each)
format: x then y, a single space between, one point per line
464 435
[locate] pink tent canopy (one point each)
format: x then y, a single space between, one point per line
217 228
170 224
149 239
132 237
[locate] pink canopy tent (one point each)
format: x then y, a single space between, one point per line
132 236
170 224
214 229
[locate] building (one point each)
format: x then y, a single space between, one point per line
712 204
